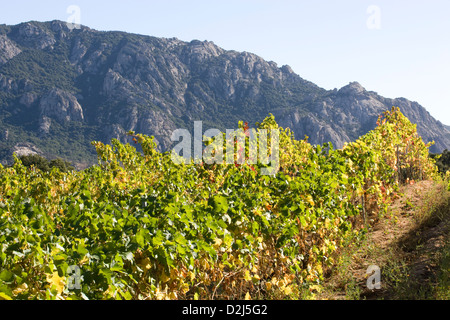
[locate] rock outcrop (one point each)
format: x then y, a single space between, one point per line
25 149
8 49
61 106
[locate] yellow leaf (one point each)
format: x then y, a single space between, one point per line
247 276
173 296
350 164
160 295
109 292
205 264
84 260
247 296
185 288
256 212
315 288
164 278
287 290
174 274
319 268
4 296
217 241
146 263
57 281
268 286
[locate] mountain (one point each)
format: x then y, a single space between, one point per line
62 88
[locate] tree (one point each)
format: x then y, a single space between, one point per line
443 161
44 164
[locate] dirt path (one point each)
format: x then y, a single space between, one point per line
405 246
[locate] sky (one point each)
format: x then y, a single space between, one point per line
396 48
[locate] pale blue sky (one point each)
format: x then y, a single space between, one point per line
327 42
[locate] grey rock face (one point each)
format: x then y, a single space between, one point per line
197 52
44 125
115 131
8 49
28 99
25 149
61 106
116 86
428 128
34 35
317 131
8 85
352 111
158 125
78 51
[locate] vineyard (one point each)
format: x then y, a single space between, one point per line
139 226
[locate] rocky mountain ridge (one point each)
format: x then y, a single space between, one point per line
62 88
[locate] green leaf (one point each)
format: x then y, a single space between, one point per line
303 221
219 204
140 239
82 250
158 239
6 276
179 238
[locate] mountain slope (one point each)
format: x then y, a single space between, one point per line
344 115
62 88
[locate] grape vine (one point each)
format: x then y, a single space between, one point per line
139 226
